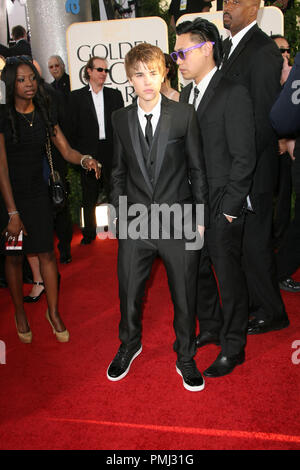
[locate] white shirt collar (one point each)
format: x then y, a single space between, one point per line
239 36
155 115
155 111
202 85
96 94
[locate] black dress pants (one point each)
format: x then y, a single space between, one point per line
135 259
224 245
283 199
91 188
265 301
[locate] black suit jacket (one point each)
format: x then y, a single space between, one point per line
62 85
179 170
226 123
256 63
83 128
21 48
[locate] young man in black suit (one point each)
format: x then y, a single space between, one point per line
22 46
157 161
90 131
253 59
226 127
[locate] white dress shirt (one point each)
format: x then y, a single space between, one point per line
202 85
98 100
239 36
155 116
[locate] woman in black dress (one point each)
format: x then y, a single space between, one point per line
25 120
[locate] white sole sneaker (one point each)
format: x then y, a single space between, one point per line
115 379
189 387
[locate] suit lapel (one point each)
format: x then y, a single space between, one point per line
136 145
91 103
185 94
163 135
106 104
209 93
241 45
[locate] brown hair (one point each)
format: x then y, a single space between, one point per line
90 65
148 55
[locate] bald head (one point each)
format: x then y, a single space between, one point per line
237 14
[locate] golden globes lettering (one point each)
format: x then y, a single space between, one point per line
111 40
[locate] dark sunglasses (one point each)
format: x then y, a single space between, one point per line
282 50
100 69
18 58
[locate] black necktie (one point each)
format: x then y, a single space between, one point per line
149 130
196 94
227 50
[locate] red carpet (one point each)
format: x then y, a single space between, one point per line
56 396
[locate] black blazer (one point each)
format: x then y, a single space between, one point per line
83 128
21 48
179 170
62 85
256 63
226 123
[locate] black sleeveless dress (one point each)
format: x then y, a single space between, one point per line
26 160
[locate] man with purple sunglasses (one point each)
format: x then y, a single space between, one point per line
226 127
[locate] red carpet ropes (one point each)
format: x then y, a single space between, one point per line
57 396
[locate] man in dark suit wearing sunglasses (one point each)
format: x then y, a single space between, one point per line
90 131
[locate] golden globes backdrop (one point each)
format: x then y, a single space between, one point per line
111 40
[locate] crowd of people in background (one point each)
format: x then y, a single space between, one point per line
252 242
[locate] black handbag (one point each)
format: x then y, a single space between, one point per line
57 189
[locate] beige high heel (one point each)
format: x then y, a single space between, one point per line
61 336
24 337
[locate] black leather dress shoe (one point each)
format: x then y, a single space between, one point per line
224 365
3 283
85 241
121 363
207 337
257 327
192 379
289 285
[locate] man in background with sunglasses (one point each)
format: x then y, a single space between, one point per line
226 127
90 131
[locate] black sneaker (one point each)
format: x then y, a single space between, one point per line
121 363
192 379
289 285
